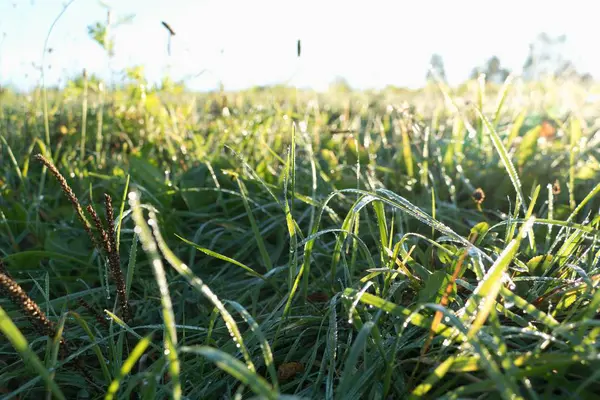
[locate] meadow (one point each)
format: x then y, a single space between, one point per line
282 243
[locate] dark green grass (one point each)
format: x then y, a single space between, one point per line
300 244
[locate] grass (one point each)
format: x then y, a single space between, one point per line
274 243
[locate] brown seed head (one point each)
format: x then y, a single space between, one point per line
12 290
70 195
478 195
556 188
114 258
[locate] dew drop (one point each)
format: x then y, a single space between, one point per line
137 230
167 352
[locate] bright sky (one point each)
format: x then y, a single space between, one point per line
253 42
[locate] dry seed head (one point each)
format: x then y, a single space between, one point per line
99 229
70 195
102 321
17 295
556 188
168 27
478 195
114 260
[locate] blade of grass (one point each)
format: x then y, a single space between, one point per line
128 365
484 296
18 341
510 169
257 235
149 246
264 344
222 257
236 369
575 135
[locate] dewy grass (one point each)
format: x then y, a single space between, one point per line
375 249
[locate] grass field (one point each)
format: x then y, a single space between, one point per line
275 243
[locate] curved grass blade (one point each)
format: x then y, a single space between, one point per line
257 235
484 296
128 365
264 344
575 136
149 246
224 258
357 347
510 168
236 369
387 306
52 351
12 158
18 341
96 348
501 98
121 212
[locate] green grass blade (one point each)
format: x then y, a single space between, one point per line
257 235
236 369
128 365
348 375
486 292
510 169
264 344
150 247
18 341
222 257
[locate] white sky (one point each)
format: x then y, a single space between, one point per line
371 44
